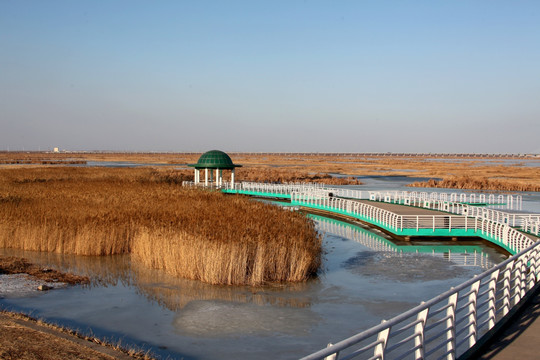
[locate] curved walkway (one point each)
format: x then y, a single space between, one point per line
404 209
520 338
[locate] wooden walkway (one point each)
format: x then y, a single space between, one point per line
405 209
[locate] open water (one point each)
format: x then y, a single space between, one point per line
366 278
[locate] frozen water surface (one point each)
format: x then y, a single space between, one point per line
366 278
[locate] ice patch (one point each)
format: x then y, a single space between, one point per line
22 285
213 318
403 267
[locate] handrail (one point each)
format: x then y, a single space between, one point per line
500 233
378 243
462 329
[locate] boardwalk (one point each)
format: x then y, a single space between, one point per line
404 209
521 338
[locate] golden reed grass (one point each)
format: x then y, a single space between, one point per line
191 233
481 183
317 167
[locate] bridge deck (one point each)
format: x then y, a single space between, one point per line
405 209
521 339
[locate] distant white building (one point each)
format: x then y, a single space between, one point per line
56 150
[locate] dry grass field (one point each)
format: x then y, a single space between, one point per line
471 173
192 233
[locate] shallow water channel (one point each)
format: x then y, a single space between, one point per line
366 278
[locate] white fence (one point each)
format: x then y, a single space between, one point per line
374 242
455 203
449 324
498 232
512 202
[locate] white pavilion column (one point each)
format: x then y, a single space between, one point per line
232 179
217 177
205 177
220 177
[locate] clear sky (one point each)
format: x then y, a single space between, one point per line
280 75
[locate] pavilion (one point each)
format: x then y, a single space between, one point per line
214 160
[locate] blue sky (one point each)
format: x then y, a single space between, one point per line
328 76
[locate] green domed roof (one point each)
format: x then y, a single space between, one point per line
214 159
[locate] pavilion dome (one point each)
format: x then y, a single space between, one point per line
214 159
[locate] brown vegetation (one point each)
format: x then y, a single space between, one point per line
299 167
16 265
26 338
284 175
481 183
191 233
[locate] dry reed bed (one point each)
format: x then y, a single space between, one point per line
195 234
285 175
296 167
467 182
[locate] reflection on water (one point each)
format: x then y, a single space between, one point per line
366 278
175 293
457 253
166 290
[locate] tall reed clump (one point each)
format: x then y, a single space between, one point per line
191 233
284 175
477 183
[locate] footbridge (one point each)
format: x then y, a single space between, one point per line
456 323
413 214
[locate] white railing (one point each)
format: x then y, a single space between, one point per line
520 221
500 233
449 324
435 201
511 202
374 242
494 223
532 226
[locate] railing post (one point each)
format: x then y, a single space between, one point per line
519 280
451 327
534 261
492 298
472 316
506 288
333 356
382 338
419 331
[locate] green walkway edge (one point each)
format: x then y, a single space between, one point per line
404 232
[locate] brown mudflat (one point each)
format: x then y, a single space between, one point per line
26 339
